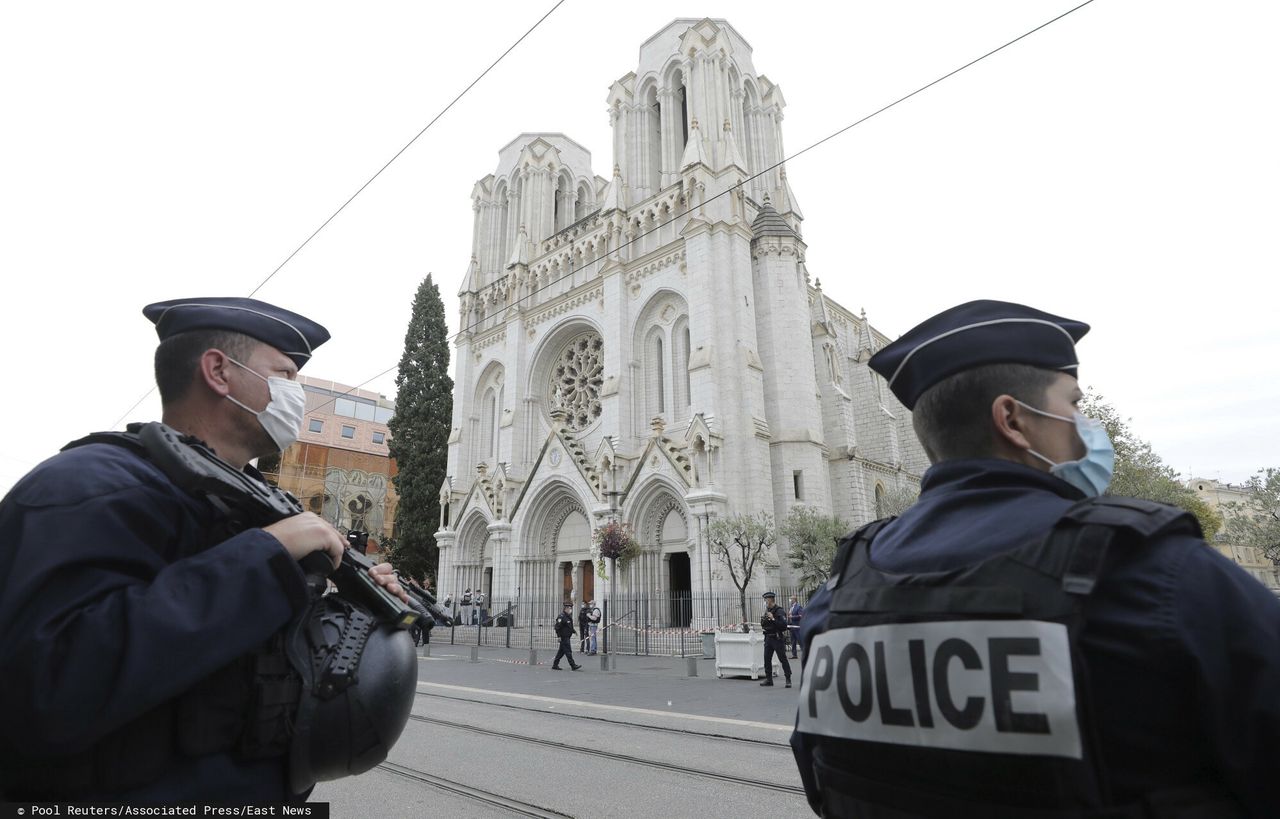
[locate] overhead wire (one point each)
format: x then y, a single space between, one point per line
350 199
780 163
738 186
407 145
833 135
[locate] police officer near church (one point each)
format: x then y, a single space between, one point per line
131 619
774 625
564 630
1016 643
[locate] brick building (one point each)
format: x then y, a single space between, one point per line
341 467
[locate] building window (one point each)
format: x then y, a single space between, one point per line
348 432
488 422
379 437
316 425
797 484
576 379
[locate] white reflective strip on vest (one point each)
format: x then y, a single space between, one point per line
1002 686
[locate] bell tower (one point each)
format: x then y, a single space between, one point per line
697 72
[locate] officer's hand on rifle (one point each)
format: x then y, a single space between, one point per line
305 533
385 575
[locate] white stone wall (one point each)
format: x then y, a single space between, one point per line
777 383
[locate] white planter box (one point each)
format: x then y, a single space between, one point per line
740 655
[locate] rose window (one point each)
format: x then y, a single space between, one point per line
576 379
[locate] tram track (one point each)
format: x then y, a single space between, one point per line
471 792
617 757
658 728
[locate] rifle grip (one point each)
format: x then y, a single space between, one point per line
317 567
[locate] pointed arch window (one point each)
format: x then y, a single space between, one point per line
654 387
488 429
680 368
653 138
503 241
683 99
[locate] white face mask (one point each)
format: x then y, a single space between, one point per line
282 417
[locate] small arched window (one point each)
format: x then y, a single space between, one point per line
488 425
654 375
680 368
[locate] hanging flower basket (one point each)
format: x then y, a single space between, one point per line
613 541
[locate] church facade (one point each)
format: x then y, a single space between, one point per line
650 347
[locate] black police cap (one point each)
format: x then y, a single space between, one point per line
974 334
294 335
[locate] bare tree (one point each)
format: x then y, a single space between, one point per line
743 544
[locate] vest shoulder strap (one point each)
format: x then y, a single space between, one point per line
1076 548
854 549
1143 518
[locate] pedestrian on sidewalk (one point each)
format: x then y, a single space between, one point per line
593 624
774 624
466 607
583 629
564 630
481 609
793 623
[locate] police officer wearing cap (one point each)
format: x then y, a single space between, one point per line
774 625
1016 643
130 619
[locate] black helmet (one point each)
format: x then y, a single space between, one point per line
359 678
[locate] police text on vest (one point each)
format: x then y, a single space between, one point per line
1002 686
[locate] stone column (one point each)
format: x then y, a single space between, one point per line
503 565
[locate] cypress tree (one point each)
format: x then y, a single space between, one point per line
420 433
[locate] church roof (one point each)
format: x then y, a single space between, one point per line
769 223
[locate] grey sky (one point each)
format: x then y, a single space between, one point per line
1118 167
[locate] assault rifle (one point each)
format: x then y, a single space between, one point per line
426 598
421 600
250 503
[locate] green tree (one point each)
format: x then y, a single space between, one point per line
420 433
743 544
897 500
811 543
1141 473
1256 521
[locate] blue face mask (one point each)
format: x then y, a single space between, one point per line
1092 473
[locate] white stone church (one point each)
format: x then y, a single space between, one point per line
651 346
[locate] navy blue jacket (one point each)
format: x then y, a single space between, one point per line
114 599
1182 645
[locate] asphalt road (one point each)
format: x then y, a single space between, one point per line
500 738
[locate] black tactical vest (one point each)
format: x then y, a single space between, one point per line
299 695
964 693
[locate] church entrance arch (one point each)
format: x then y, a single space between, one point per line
555 563
680 608
660 523
474 556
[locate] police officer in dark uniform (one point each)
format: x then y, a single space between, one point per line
564 630
1016 644
774 624
130 618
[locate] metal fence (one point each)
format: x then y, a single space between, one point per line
639 624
